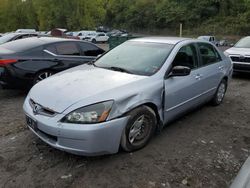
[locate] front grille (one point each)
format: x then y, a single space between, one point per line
242 59
39 109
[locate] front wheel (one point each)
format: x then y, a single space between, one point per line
220 93
140 128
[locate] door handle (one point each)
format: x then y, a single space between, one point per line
221 67
198 76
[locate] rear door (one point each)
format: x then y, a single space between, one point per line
211 68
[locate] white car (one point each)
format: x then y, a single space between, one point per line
243 178
210 39
83 34
25 31
98 37
240 55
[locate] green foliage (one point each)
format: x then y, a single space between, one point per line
197 16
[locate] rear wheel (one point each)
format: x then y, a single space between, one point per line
93 40
140 128
42 75
220 93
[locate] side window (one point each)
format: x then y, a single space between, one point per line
187 56
90 50
34 52
67 48
22 37
51 48
209 54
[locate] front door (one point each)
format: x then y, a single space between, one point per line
182 93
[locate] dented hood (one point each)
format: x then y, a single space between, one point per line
69 87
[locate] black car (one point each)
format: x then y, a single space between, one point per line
25 62
16 36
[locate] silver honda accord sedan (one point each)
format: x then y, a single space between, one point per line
122 98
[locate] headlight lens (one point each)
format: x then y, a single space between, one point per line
226 54
95 113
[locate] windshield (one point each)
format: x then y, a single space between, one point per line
6 38
243 43
136 57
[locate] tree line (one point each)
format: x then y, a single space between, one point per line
197 16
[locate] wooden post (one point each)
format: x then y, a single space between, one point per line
180 29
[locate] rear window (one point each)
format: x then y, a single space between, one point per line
90 49
18 45
6 38
67 48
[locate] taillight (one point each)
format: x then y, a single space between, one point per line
7 61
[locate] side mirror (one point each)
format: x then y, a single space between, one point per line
180 71
100 55
97 57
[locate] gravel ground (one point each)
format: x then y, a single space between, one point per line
206 148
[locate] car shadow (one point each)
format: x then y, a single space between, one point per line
244 76
6 93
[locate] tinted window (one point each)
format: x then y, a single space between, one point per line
100 35
67 48
51 48
208 54
7 38
33 35
38 52
187 56
22 37
90 50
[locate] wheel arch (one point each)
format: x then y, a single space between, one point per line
153 107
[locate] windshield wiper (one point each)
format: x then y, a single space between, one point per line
120 69
92 63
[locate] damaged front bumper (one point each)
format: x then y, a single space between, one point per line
80 139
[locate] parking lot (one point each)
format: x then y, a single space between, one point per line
206 148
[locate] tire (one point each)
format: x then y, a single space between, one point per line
93 41
146 119
41 76
220 93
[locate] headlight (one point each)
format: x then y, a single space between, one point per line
95 113
226 54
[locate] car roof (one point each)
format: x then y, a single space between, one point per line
206 36
167 40
41 40
52 39
32 42
16 34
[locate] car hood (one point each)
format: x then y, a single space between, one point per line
238 51
69 87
